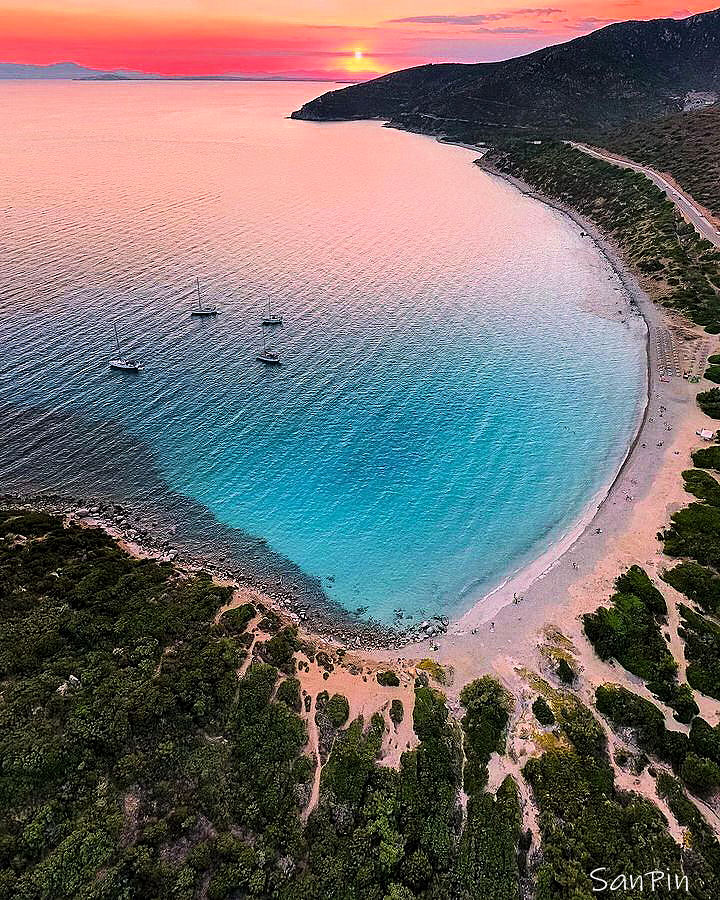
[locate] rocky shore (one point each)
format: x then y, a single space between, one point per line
147 537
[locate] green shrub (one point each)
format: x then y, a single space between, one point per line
288 692
280 650
709 402
636 581
694 533
625 709
702 485
702 776
565 672
542 712
702 651
235 621
698 584
705 850
487 710
707 458
705 740
337 710
397 711
630 633
388 679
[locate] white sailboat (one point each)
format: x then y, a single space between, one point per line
272 318
201 309
121 363
267 354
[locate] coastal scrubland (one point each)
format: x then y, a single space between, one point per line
153 745
675 265
141 758
630 632
685 145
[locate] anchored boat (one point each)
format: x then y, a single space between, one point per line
201 309
271 318
121 363
268 355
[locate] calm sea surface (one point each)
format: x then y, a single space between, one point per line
456 380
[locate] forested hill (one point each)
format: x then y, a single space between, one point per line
624 72
687 145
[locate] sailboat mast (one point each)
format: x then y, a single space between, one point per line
117 340
198 292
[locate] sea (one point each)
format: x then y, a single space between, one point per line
459 374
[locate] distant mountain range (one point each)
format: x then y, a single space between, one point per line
72 71
624 72
56 70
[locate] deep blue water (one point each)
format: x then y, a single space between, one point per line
456 383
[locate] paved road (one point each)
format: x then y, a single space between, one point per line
684 202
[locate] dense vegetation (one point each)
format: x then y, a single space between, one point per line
132 759
625 709
694 533
135 762
687 145
696 757
678 267
629 631
702 485
699 584
702 651
709 402
587 823
707 458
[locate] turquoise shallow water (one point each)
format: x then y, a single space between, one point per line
456 384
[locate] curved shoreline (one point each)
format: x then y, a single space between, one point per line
371 638
526 575
577 572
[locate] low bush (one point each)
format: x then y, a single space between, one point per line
629 632
709 402
565 672
397 711
699 584
487 710
707 458
636 581
702 485
235 621
702 651
625 709
337 709
542 712
702 776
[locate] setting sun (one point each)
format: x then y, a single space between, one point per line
359 62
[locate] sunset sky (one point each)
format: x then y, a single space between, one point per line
318 38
